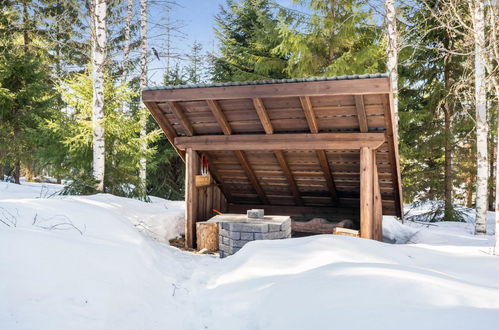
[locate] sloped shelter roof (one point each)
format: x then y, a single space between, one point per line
292 142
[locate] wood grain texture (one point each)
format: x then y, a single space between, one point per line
361 113
304 141
180 115
366 193
191 197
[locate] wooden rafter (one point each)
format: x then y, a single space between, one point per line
281 158
302 141
217 112
165 126
321 154
279 154
243 160
326 169
309 114
263 115
179 113
361 113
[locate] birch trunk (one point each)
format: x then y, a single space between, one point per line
143 84
481 118
99 43
392 52
126 47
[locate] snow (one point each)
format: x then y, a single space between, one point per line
100 268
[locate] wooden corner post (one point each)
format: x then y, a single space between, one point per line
371 213
191 196
366 193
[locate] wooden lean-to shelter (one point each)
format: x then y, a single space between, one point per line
309 148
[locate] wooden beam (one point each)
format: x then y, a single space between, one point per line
243 160
165 126
309 114
366 193
191 197
179 113
281 158
361 113
326 169
219 115
377 205
310 88
304 141
263 115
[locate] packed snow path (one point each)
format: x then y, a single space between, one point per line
86 263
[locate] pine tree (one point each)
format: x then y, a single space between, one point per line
338 38
248 32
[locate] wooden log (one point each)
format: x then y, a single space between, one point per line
207 235
191 197
319 226
366 193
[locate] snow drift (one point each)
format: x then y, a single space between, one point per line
96 270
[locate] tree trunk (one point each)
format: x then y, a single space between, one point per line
481 118
17 172
448 114
392 52
143 84
99 44
126 47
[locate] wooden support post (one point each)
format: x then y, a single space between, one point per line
191 196
377 205
366 193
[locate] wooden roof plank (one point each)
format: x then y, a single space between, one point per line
361 113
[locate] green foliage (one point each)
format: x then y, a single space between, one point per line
338 38
248 32
82 184
122 138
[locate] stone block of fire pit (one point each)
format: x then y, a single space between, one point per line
236 230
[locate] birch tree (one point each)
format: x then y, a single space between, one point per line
392 51
126 46
143 84
478 19
99 44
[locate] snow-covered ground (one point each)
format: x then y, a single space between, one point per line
89 262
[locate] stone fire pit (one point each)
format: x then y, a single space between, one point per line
235 230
